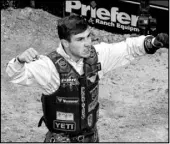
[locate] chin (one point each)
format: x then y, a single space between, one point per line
87 55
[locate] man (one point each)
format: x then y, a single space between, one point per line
69 77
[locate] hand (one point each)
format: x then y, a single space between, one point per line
27 56
161 40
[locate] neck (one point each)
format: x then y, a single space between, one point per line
76 59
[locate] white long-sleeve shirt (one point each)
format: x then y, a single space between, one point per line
42 73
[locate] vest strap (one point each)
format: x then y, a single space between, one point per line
40 121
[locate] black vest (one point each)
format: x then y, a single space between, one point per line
74 107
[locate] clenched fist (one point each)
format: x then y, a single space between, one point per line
28 55
161 40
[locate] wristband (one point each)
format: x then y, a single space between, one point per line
148 45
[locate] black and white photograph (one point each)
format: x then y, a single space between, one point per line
84 71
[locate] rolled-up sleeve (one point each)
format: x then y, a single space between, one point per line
118 54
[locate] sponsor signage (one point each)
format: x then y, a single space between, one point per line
62 63
83 115
90 120
97 114
64 116
112 17
92 78
62 125
94 92
93 104
119 16
67 100
69 80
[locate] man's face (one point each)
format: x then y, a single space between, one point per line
80 45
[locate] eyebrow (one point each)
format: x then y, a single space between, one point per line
79 38
82 36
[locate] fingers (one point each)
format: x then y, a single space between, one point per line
158 43
29 55
163 38
33 53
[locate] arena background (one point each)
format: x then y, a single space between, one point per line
133 98
159 9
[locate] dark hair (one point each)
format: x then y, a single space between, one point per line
71 25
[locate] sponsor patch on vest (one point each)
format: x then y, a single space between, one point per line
69 80
94 92
62 63
64 116
95 136
97 114
68 100
62 125
93 104
83 102
92 78
90 120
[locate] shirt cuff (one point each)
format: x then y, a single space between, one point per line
17 65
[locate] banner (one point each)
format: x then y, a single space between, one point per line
118 16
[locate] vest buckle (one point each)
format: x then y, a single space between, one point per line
80 138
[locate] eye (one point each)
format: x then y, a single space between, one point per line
90 34
80 39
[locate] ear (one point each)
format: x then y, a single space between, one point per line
65 43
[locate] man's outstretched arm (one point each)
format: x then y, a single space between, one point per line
118 54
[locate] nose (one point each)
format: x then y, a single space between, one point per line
87 42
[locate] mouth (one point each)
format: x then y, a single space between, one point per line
87 51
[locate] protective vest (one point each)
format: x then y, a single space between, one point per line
74 107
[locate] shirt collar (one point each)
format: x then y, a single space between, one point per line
61 51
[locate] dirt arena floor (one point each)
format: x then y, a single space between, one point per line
133 99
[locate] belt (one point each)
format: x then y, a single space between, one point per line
63 137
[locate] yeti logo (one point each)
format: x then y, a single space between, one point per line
62 125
